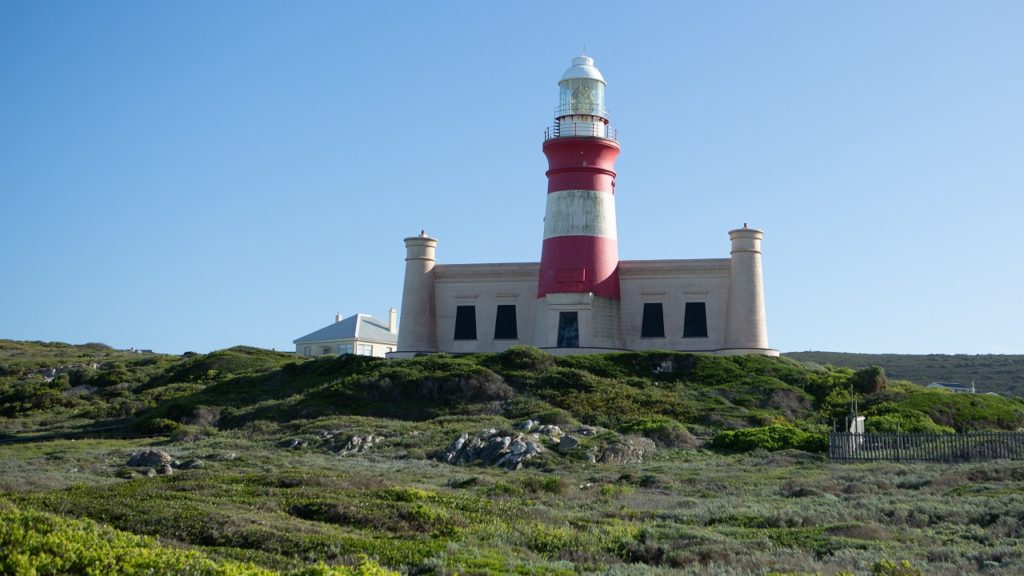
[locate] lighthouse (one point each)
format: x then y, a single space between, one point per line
580 298
578 284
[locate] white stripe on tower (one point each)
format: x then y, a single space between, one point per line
580 213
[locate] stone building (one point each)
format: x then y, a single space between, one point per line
580 298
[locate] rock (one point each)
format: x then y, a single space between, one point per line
294 443
149 458
527 425
629 450
568 443
164 469
359 444
127 474
192 464
550 430
224 457
491 449
149 472
588 430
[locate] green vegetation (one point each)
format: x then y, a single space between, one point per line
738 483
1000 373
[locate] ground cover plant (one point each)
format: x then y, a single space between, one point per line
738 483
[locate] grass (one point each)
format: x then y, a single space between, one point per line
687 509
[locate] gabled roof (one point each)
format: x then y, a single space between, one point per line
357 326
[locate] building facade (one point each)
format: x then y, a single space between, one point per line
580 298
360 334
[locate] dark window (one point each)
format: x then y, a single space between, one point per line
568 330
695 322
505 323
653 324
465 323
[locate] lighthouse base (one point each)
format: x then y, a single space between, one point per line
577 320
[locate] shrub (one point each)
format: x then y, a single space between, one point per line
904 422
39 543
550 484
774 437
556 417
886 567
666 432
870 380
522 358
161 426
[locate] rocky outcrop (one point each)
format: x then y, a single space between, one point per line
628 450
490 448
149 458
359 444
511 450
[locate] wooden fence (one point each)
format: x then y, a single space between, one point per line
905 447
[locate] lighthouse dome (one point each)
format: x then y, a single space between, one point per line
583 67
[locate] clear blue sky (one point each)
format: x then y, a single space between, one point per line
195 175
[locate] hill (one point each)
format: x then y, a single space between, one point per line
641 463
999 373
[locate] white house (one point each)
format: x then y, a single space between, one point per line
360 334
954 387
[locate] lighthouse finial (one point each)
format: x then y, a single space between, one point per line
583 49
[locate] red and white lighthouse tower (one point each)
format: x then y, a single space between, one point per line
578 287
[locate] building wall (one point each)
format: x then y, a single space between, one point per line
377 349
673 283
484 286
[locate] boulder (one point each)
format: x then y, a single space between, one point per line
628 450
149 458
192 464
359 444
550 430
165 469
568 443
491 449
527 425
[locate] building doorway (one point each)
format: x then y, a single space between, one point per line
568 330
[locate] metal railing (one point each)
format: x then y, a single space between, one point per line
902 447
577 110
581 130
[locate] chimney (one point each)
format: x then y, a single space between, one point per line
393 320
337 317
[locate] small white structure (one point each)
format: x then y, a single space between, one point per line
954 387
360 334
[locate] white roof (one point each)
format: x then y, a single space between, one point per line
583 67
357 326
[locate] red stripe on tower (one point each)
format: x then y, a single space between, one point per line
580 251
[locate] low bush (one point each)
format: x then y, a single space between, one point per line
771 438
912 421
40 543
666 432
